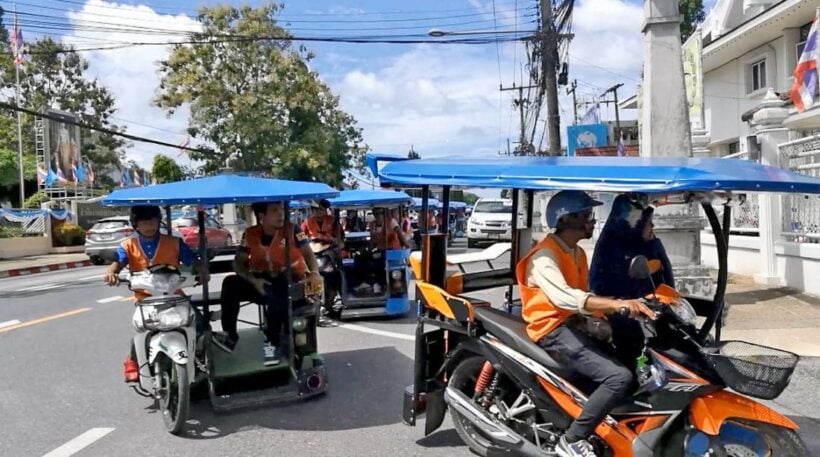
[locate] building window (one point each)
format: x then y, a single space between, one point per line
758 75
734 148
801 41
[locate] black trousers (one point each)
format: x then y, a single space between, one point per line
589 358
236 289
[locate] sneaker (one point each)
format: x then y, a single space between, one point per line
270 355
130 370
325 321
582 448
224 342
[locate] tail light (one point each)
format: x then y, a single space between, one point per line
127 231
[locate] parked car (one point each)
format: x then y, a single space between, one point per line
216 236
490 220
105 236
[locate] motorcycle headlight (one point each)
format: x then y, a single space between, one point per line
396 274
299 324
684 311
176 317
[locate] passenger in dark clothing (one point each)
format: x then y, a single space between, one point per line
628 232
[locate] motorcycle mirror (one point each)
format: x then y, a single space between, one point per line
639 268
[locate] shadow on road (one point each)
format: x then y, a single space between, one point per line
365 390
440 439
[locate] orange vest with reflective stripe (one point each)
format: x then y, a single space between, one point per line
272 258
323 233
377 236
167 253
542 316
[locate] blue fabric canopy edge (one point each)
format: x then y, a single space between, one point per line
218 189
361 197
601 174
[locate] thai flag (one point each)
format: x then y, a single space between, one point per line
126 178
17 42
60 176
621 149
79 173
90 172
42 174
805 74
74 173
137 181
184 144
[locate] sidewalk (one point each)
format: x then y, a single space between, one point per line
41 264
773 316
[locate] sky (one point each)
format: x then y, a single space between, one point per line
441 99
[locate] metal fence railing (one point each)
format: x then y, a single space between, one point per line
746 215
801 213
17 223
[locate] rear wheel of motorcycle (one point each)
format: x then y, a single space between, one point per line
175 396
464 378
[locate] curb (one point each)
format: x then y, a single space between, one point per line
44 269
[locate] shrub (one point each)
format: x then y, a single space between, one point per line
36 200
11 232
68 234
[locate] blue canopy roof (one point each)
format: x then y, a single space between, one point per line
602 174
432 202
220 189
353 198
457 205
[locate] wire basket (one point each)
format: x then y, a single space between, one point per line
752 369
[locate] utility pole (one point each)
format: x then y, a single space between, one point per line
571 90
520 102
614 90
549 82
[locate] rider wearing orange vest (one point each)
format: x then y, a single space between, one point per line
260 265
148 248
382 227
567 320
321 226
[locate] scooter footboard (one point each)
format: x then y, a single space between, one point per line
709 412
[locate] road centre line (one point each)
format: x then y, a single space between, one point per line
372 331
79 443
109 299
43 319
9 323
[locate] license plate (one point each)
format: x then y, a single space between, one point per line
105 236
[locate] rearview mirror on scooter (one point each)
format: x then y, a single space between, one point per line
639 268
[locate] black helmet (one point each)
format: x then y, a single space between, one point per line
145 212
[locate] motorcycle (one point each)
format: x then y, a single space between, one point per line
165 343
507 396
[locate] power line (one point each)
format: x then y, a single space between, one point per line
84 125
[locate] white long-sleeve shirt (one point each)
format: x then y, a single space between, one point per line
543 272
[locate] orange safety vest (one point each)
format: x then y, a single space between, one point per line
167 253
377 235
407 227
324 233
542 316
272 258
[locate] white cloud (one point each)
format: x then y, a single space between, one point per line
131 73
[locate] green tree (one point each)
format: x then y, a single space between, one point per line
258 98
10 169
470 198
693 15
412 154
166 170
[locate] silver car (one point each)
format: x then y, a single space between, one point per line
105 236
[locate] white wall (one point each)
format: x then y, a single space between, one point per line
12 248
797 263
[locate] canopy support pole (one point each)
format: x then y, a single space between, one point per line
721 242
516 242
203 259
288 228
425 242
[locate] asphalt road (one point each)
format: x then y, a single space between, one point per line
61 387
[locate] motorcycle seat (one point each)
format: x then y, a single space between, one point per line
512 331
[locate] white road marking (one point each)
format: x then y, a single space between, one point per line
79 443
9 323
372 331
89 278
110 299
40 287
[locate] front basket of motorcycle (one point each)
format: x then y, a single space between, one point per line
751 369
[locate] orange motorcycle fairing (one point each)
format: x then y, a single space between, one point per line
708 413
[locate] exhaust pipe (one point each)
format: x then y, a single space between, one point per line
492 428
314 382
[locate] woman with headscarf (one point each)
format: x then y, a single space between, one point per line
628 232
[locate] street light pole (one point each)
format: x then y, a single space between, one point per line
549 81
20 137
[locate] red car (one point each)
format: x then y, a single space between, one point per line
215 235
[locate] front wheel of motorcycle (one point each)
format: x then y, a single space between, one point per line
740 438
174 395
464 378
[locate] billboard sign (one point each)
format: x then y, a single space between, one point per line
585 136
62 143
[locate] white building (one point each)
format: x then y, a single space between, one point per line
749 46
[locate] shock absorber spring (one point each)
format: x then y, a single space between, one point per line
483 379
489 394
